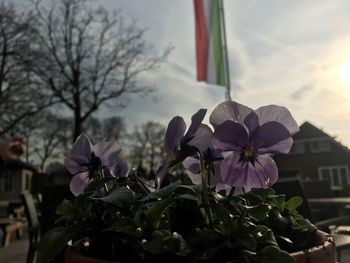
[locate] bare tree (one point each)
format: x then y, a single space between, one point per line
19 96
51 138
147 146
111 128
27 128
88 57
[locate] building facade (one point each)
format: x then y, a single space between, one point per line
316 156
15 177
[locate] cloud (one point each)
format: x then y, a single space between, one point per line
278 53
300 93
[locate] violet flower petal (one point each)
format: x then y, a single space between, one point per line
161 173
262 174
196 121
251 122
230 136
81 150
229 110
231 170
221 186
79 182
202 137
192 164
215 178
120 168
268 135
78 159
279 114
241 190
107 152
174 133
74 167
196 178
281 147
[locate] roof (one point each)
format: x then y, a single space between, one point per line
309 131
9 165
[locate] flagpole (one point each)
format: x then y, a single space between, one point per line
227 69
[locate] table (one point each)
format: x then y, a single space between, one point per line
330 200
7 225
4 203
342 204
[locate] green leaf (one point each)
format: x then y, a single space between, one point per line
293 203
263 193
165 192
247 240
280 202
120 196
272 254
124 225
52 243
155 211
163 234
149 215
223 216
94 185
267 238
65 211
187 197
161 244
259 212
203 239
191 189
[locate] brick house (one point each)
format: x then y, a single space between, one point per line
316 156
15 177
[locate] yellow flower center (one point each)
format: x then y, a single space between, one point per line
247 152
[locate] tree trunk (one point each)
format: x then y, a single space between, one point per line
77 125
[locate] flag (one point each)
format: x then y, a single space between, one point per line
209 49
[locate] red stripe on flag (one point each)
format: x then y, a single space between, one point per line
201 39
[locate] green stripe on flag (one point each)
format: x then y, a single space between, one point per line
217 44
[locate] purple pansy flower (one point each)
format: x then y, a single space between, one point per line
248 138
192 167
177 141
211 160
178 144
84 158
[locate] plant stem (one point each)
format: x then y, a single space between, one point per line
103 177
140 182
205 194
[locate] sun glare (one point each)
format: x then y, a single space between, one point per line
345 72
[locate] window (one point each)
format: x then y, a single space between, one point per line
298 148
27 181
320 146
290 174
7 182
336 175
343 176
325 175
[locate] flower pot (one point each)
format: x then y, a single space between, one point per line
73 256
324 252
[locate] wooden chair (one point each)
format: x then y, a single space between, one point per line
10 223
7 225
33 224
320 189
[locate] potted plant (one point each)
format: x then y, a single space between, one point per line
228 214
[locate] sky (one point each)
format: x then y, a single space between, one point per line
290 53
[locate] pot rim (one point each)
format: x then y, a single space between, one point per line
325 242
